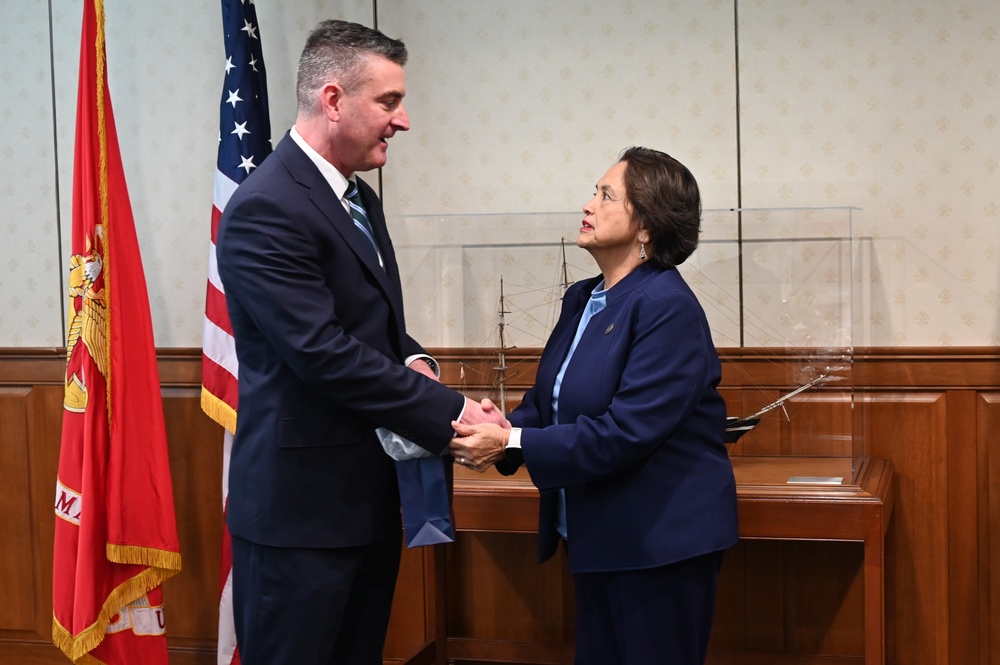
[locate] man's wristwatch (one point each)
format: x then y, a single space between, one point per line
427 359
512 452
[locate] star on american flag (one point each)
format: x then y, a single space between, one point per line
244 124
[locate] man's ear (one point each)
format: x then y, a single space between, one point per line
331 98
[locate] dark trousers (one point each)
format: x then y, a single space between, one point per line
655 616
299 606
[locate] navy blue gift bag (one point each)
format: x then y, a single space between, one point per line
423 493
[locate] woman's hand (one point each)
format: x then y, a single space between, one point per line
479 446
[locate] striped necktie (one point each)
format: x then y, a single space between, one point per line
359 216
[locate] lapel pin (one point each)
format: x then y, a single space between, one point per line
609 329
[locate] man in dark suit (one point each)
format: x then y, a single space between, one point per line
314 297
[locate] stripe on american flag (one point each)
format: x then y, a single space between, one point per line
244 142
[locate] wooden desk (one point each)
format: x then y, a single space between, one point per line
769 509
772 510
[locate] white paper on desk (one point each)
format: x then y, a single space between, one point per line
816 480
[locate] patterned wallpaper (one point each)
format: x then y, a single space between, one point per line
893 107
518 108
31 289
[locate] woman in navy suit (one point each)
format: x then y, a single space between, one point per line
623 430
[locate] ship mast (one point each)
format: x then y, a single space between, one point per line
565 271
501 369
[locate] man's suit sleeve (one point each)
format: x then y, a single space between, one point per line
273 267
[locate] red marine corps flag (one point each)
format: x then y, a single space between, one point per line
115 535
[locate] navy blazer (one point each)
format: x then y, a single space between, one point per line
639 449
320 339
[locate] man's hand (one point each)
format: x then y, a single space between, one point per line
479 446
483 412
489 406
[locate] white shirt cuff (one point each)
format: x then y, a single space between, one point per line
427 359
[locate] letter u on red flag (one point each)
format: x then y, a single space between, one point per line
116 534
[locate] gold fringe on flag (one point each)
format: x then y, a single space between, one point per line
218 410
77 647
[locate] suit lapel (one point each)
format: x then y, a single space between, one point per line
305 173
331 207
558 346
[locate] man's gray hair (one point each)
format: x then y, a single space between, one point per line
338 51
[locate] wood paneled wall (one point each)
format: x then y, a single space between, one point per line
935 413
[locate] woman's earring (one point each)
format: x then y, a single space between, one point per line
642 251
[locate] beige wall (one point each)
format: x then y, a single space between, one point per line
520 106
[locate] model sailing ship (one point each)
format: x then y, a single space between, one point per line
504 308
737 426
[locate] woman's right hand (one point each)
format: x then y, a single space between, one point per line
479 446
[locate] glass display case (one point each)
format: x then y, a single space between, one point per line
786 292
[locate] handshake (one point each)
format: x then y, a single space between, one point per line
481 435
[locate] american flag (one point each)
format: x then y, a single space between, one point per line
244 142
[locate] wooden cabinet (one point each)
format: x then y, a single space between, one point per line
770 509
